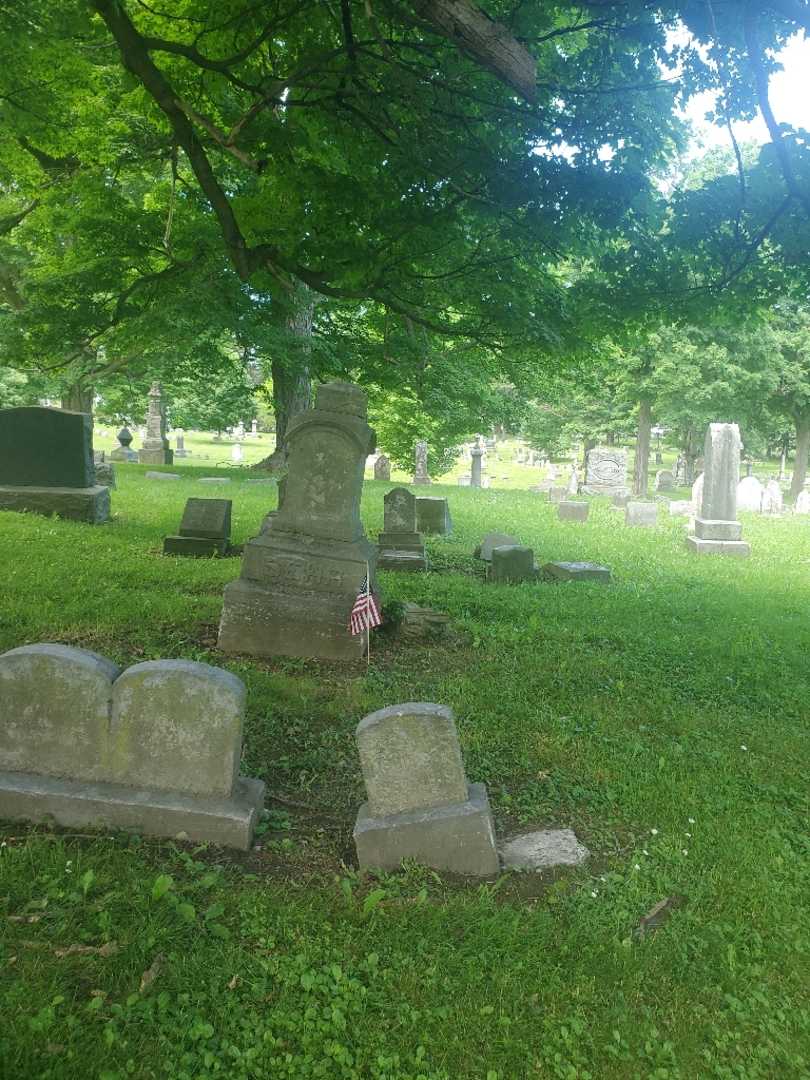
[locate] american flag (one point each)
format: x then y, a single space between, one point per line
365 612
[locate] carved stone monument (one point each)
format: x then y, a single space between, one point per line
420 453
180 443
300 579
420 805
46 464
155 449
477 454
717 530
382 468
400 547
123 452
606 471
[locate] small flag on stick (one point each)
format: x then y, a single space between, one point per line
365 612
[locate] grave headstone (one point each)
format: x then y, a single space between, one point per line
605 471
491 541
717 530
697 495
254 428
477 454
46 464
433 516
680 508
204 531
420 805
512 564
575 571
802 504
573 481
180 443
664 480
123 452
420 453
423 624
155 449
104 470
237 453
465 481
557 494
573 511
773 501
300 579
641 514
154 749
382 468
749 494
400 545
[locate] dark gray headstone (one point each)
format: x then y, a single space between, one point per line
42 447
207 517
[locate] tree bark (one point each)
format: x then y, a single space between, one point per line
802 454
78 398
641 466
292 389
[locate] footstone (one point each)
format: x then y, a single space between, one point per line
543 850
226 820
491 541
300 579
576 571
718 547
419 803
557 494
91 505
512 564
421 623
222 480
162 475
680 507
573 511
643 514
433 516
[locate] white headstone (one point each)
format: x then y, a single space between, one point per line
236 452
802 505
749 494
772 500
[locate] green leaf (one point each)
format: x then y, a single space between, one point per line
161 886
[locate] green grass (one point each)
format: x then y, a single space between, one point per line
663 717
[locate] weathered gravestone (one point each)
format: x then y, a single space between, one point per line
433 516
697 495
204 531
557 494
802 504
717 530
154 749
420 805
573 511
573 481
512 564
46 464
382 468
575 571
773 501
122 452
155 449
420 453
422 623
749 494
104 470
680 508
236 452
664 480
491 541
301 578
180 444
605 471
641 514
476 464
400 545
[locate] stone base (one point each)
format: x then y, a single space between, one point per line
156 457
401 541
391 559
459 838
122 454
181 453
712 529
575 571
76 804
199 546
77 504
718 547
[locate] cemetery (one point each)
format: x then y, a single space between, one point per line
405 542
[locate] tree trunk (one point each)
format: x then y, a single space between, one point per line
587 444
78 398
292 390
641 466
802 454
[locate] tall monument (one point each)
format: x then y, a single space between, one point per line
301 577
155 449
717 530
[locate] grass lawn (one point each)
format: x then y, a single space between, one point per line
664 717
